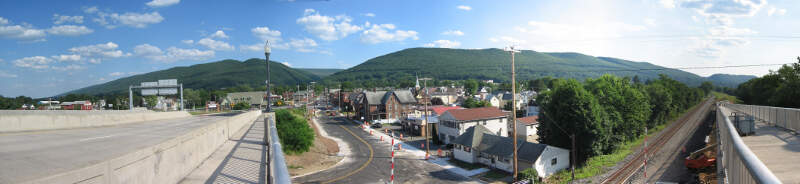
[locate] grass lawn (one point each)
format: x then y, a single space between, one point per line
723 96
464 165
594 165
495 174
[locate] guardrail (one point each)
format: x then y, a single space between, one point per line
278 172
739 164
787 118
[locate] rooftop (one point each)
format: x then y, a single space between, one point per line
529 120
476 113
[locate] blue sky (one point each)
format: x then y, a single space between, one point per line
50 47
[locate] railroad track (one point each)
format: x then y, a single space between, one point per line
623 174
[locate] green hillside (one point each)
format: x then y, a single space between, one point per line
321 72
728 80
214 75
459 64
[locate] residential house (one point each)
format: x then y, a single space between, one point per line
77 105
387 106
454 122
494 100
252 98
479 145
526 128
416 122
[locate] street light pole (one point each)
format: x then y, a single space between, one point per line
267 51
511 50
426 114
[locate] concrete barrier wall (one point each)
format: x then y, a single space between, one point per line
167 162
18 121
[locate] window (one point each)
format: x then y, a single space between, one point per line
467 149
554 161
484 122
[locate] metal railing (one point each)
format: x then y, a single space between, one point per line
277 172
738 163
787 118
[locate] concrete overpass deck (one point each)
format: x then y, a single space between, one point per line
31 155
777 148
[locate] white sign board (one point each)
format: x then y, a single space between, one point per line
168 82
149 84
167 91
149 92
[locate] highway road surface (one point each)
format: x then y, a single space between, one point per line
31 155
371 161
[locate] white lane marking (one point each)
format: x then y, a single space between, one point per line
92 138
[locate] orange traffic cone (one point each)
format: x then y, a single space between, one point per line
381 138
400 147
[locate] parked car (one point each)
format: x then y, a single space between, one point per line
376 125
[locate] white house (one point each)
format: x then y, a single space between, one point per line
526 128
454 122
479 145
493 100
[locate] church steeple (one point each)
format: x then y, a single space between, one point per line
417 86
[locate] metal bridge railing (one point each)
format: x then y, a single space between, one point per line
738 163
278 172
787 118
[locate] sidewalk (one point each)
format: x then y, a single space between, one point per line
419 153
238 160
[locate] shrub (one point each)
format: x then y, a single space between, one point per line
293 130
529 174
241 106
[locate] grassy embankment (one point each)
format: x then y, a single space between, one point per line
597 165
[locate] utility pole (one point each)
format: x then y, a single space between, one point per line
267 51
574 153
511 50
426 115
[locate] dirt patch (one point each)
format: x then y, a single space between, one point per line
321 156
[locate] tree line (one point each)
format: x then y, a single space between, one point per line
605 112
779 88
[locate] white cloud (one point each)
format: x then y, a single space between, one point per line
96 53
60 19
302 45
378 33
35 62
667 3
92 9
67 57
173 54
326 27
369 14
69 30
650 22
136 20
4 74
219 34
779 11
162 3
464 7
264 33
287 64
21 32
214 44
443 44
453 33
723 11
69 67
188 42
114 74
254 47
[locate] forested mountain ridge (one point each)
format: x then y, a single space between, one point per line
494 64
213 75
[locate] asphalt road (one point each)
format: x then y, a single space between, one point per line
371 161
31 155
